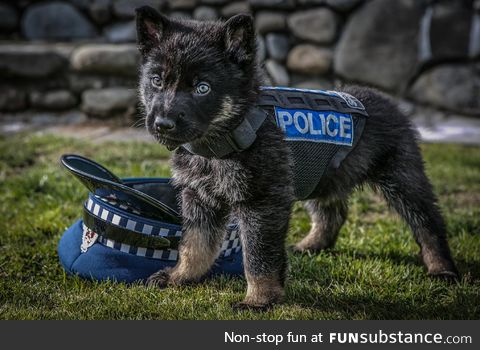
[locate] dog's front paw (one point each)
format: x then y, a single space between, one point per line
257 307
306 249
160 279
262 300
445 275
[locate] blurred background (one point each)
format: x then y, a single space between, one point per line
75 62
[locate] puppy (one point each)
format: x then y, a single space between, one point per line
199 81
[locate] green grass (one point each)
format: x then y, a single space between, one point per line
373 273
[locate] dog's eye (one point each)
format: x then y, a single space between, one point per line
156 81
202 88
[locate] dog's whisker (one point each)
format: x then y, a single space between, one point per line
138 123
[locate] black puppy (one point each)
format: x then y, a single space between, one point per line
198 81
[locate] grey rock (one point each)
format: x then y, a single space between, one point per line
30 61
379 44
182 4
452 86
439 127
339 5
475 32
343 5
277 73
8 18
205 13
100 11
12 99
81 81
315 84
106 58
406 107
317 25
180 15
214 2
53 100
426 116
273 4
56 21
450 30
309 59
266 81
311 2
267 21
261 49
235 8
81 4
126 8
109 101
277 46
121 32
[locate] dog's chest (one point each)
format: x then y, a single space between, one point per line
223 179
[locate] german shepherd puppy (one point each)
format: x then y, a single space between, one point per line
197 82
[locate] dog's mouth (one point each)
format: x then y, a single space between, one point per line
173 141
168 141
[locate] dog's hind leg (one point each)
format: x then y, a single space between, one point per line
327 219
407 189
203 233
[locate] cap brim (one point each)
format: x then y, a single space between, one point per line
102 182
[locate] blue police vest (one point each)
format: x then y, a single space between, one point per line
321 128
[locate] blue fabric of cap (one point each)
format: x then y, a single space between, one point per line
101 262
101 258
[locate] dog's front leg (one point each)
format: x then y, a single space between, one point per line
263 229
203 232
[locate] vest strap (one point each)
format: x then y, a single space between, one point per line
238 140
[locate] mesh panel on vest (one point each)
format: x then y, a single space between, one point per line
310 160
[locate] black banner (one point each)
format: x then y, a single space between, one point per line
242 334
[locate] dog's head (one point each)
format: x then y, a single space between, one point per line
197 78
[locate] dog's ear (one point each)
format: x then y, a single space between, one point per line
150 28
240 38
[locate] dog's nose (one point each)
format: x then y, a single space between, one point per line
164 124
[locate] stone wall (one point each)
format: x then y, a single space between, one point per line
80 55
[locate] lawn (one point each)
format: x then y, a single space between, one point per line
373 273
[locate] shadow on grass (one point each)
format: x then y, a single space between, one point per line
397 258
359 306
439 300
472 269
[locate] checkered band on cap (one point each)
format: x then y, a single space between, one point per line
123 219
126 220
